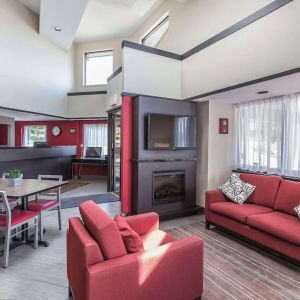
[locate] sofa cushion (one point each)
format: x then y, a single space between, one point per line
236 189
238 212
131 239
156 238
103 228
266 188
289 229
288 197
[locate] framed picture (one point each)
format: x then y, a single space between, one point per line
223 125
72 130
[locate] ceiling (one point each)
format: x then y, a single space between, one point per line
90 20
108 19
276 87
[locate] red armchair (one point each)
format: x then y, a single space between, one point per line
167 269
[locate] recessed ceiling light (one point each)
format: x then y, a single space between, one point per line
57 28
262 92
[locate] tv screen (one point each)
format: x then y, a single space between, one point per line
171 132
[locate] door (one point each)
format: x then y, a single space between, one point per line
114 181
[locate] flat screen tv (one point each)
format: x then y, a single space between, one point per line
171 132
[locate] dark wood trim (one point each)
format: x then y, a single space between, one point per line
127 44
133 95
52 116
237 26
162 160
87 93
216 38
32 112
256 244
117 107
240 85
114 74
297 179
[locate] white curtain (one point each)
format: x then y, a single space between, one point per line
95 135
267 135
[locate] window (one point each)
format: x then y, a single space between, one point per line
154 36
35 133
98 66
267 135
95 135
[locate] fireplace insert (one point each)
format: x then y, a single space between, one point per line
168 186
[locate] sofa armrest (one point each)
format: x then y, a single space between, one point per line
143 223
212 196
171 271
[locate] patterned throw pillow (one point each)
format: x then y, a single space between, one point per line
297 210
236 189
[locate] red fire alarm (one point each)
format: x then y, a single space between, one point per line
223 125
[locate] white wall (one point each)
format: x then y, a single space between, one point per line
35 74
150 74
81 48
11 129
195 21
267 46
86 106
114 90
215 152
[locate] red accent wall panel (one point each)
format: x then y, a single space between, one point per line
3 134
126 153
64 139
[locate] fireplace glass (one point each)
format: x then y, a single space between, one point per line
168 187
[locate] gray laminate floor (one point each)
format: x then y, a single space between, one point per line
41 273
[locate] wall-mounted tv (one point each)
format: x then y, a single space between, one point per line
171 132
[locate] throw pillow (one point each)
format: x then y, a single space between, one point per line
132 241
297 210
236 189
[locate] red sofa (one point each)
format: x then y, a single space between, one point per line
266 218
99 267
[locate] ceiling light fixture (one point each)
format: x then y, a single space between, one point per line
57 28
262 92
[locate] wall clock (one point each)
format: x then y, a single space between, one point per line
56 131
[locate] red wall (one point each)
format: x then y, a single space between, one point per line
64 139
3 134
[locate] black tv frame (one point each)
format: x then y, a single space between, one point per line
148 147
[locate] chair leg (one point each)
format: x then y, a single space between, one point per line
207 225
6 248
40 227
36 233
59 217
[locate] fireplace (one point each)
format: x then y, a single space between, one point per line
168 187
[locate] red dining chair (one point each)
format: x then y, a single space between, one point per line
11 219
44 205
10 200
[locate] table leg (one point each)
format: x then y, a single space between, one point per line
25 226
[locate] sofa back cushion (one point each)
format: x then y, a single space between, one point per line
104 230
288 197
266 188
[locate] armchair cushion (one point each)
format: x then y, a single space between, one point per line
131 239
104 230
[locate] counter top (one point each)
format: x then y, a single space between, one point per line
27 153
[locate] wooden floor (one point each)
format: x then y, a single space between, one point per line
41 274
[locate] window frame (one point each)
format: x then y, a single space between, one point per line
25 143
85 54
164 18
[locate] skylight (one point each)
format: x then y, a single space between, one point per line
152 38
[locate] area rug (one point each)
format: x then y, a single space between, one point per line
236 270
98 198
65 188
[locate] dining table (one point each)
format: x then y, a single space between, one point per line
28 187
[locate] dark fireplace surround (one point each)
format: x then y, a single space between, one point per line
163 181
